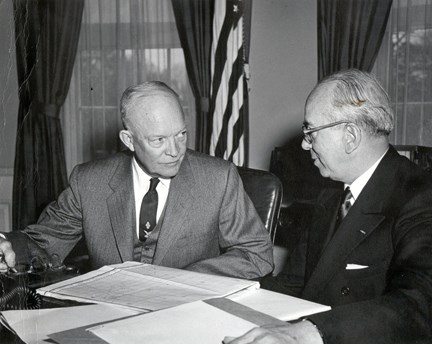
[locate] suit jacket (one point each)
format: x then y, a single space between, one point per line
387 234
210 225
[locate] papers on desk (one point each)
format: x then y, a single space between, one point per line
144 286
34 326
182 316
196 322
205 322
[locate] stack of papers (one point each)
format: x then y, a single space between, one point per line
144 286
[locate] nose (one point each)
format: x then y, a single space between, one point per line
306 145
172 147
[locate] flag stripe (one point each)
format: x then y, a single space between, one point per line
220 99
235 80
226 111
219 56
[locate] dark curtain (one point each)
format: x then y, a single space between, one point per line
47 33
194 23
350 33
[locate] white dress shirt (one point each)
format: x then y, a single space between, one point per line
141 182
357 185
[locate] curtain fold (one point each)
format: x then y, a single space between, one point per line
46 34
350 33
194 22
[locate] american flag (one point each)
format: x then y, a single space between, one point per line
228 93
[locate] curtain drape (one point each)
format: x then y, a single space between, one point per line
194 23
350 33
46 34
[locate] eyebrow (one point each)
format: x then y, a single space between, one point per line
158 136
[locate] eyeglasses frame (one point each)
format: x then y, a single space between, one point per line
306 132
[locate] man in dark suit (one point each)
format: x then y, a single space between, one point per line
201 218
368 256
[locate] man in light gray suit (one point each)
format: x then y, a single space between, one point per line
204 220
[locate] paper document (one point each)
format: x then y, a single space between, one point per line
280 306
196 322
34 326
144 286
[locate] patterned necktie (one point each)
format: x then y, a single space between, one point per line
345 206
147 220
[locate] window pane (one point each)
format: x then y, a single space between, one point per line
404 66
110 77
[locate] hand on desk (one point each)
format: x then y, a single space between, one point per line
7 255
303 332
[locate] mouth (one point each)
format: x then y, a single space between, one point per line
173 163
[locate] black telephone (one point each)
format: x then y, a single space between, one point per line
14 293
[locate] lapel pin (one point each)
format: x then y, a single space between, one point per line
362 231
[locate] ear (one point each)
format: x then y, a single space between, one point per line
127 139
352 137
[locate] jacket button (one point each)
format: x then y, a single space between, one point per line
345 291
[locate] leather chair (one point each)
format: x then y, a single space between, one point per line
265 191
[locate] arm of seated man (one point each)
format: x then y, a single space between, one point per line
303 332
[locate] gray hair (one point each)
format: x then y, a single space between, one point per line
141 91
359 98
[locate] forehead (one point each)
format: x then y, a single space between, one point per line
318 107
160 110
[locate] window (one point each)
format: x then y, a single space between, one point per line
404 66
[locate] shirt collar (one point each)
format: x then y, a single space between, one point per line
143 179
357 185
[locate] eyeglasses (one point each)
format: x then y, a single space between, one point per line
307 132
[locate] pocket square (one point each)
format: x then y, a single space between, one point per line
356 267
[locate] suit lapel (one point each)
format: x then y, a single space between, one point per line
347 237
121 207
367 213
322 228
179 199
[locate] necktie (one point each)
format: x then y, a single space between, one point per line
147 220
345 206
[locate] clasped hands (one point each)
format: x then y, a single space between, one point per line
303 332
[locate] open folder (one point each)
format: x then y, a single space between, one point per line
204 322
195 322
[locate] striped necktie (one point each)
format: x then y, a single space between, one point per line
344 206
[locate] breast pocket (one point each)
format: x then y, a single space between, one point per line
366 283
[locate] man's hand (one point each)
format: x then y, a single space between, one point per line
7 255
303 332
